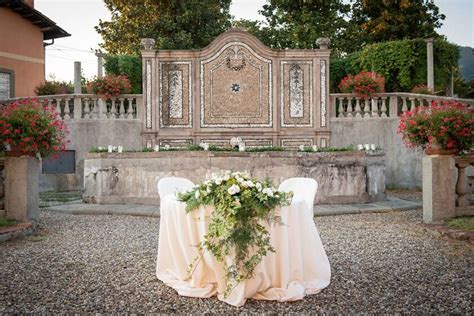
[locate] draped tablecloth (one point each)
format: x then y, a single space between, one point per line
298 267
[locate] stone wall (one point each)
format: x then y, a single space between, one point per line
343 177
403 165
85 134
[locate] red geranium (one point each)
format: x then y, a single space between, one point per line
33 126
364 84
447 125
109 86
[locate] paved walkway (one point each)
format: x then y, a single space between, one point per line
79 208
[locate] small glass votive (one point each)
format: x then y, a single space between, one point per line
156 148
315 148
360 147
372 146
367 146
120 149
110 148
242 147
301 147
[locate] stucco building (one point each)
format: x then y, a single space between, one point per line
24 33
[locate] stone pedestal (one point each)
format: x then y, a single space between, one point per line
22 188
438 187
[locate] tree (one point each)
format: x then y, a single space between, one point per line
299 23
388 20
174 24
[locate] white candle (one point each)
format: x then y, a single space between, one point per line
360 147
156 148
367 146
120 149
372 146
315 148
242 147
110 148
301 147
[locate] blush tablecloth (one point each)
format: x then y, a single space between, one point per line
299 266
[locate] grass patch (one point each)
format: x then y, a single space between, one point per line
53 196
461 222
6 222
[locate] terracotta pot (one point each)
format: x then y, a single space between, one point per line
440 151
15 151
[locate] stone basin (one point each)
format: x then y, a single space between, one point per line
343 177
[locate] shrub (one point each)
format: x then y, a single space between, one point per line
54 87
109 86
364 84
33 127
447 125
421 89
124 65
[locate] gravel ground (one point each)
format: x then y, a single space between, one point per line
380 263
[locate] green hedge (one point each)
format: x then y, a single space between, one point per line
130 66
402 63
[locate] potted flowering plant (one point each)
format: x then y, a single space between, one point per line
364 84
29 127
109 86
444 128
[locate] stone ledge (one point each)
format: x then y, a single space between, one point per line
438 229
19 230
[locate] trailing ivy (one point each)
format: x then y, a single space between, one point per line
240 206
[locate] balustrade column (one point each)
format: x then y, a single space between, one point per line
58 107
383 108
121 109
357 108
77 108
461 184
67 110
366 108
375 107
113 109
86 108
405 105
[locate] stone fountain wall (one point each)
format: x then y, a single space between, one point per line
235 87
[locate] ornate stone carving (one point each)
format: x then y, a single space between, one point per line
323 42
175 86
147 43
323 93
148 93
175 94
296 93
236 88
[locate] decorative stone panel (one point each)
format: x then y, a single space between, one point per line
296 142
175 104
236 88
296 95
175 143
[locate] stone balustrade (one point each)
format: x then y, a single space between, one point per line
463 189
347 106
90 106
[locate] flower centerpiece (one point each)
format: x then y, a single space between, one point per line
30 127
442 128
109 86
364 84
235 226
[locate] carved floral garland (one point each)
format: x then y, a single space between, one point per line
235 226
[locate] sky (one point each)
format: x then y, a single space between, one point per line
78 17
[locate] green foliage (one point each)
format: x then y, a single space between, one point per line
342 67
402 63
178 24
240 205
461 222
126 65
298 24
382 21
54 88
6 222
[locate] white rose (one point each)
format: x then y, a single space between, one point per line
218 181
234 189
226 177
258 185
239 179
208 190
197 194
268 191
250 183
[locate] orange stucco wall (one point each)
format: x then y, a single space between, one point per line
21 50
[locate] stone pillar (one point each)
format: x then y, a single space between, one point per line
429 60
99 64
22 188
439 195
77 77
